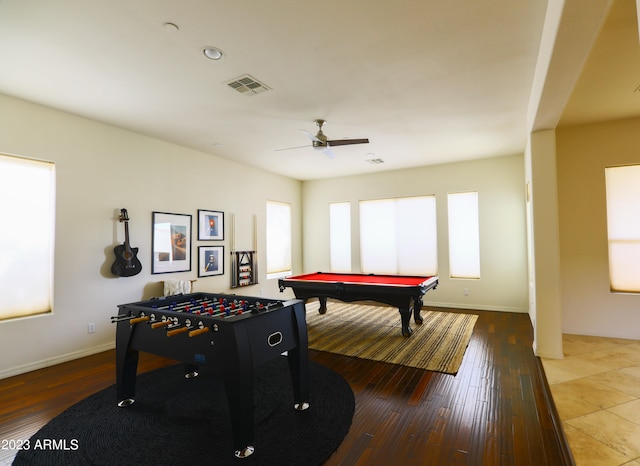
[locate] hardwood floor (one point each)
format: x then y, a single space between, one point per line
496 411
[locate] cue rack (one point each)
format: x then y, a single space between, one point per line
244 264
244 267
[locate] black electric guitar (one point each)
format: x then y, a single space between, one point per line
127 263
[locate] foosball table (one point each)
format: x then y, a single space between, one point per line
232 334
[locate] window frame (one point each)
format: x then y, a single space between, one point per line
280 268
403 224
464 238
29 200
340 237
622 187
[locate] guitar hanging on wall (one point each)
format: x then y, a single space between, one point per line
126 263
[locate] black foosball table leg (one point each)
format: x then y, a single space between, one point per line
126 370
299 362
298 366
238 383
239 389
126 363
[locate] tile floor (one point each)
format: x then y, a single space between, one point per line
596 389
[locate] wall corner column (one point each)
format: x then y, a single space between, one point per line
544 244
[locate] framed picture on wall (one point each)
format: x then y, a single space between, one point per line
170 243
210 225
210 261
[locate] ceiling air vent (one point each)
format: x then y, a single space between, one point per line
375 161
247 85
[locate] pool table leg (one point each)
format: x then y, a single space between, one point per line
417 307
405 317
323 304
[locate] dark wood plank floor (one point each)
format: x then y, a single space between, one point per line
496 411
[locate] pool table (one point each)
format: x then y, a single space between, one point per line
402 291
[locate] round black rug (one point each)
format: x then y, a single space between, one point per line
177 421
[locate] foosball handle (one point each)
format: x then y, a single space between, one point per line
137 320
200 331
176 331
161 324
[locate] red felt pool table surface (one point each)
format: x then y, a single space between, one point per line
362 279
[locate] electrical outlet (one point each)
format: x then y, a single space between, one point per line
91 327
466 291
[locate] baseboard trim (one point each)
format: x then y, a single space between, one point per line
477 307
427 305
32 366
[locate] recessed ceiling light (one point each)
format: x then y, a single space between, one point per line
171 27
212 53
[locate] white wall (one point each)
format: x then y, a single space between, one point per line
503 252
588 305
101 169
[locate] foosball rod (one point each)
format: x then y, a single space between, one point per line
120 318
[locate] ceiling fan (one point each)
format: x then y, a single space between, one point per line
319 141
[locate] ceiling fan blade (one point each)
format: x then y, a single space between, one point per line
311 136
320 142
290 148
328 152
344 142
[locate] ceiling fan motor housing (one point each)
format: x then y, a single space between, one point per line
320 140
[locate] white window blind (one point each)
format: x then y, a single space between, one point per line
278 239
340 236
464 235
26 237
623 227
399 236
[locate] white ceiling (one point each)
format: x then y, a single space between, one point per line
609 86
426 81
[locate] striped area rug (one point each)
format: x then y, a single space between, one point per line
373 332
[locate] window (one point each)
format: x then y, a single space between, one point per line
278 239
464 235
398 236
26 236
623 227
340 236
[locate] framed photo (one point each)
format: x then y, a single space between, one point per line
210 225
170 243
210 261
